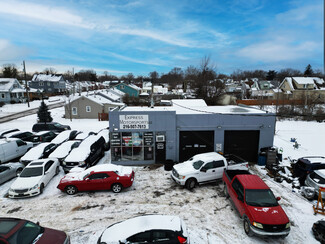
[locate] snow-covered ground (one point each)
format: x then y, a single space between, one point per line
209 216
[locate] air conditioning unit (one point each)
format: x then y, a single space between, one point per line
160 138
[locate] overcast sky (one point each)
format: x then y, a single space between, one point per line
141 36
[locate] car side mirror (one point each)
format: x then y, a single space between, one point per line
203 170
278 198
87 179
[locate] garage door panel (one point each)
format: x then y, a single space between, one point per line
195 142
242 143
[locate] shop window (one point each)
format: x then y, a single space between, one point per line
132 146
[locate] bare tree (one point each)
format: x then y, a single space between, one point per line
9 71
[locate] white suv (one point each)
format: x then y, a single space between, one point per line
35 176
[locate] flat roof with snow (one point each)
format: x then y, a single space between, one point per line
231 109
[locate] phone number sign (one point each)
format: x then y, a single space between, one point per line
135 122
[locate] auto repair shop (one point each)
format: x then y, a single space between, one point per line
144 135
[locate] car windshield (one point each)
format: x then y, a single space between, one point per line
31 172
198 164
85 176
260 198
27 234
317 178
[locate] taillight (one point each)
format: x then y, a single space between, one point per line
181 239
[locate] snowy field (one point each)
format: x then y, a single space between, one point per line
209 216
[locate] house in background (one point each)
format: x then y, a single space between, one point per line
90 106
301 88
11 90
49 84
130 89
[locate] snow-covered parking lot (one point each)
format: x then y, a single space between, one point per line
209 216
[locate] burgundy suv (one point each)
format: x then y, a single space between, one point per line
20 231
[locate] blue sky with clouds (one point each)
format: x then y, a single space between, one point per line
141 36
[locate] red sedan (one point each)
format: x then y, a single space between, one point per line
99 177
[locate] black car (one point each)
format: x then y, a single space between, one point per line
306 165
14 230
51 126
319 231
43 136
22 135
87 154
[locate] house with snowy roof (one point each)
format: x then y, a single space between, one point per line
11 90
91 105
50 84
130 89
303 87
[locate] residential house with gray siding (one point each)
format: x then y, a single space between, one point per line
49 84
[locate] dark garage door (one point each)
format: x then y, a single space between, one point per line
242 143
195 142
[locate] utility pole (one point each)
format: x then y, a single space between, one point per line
26 85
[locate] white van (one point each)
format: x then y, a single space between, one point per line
12 148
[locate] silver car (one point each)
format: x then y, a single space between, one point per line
9 171
316 179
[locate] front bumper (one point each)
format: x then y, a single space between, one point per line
23 193
261 232
178 181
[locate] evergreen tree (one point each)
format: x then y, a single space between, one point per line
308 71
43 114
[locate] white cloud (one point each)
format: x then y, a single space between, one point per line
272 51
9 51
43 13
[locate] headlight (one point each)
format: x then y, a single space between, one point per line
34 187
288 225
258 225
64 163
82 163
181 177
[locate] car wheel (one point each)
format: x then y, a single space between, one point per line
57 170
41 189
190 183
116 188
18 171
71 190
225 190
247 227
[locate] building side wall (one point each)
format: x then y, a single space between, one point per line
81 104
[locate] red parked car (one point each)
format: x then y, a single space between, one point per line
99 177
256 204
13 230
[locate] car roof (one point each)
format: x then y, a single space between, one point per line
252 182
207 156
38 162
130 227
6 140
42 132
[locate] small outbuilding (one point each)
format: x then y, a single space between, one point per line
144 135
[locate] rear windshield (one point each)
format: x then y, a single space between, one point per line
32 172
27 234
317 178
260 198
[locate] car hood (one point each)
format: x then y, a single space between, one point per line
268 215
25 182
185 168
71 177
53 236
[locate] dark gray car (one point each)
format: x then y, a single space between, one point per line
9 171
